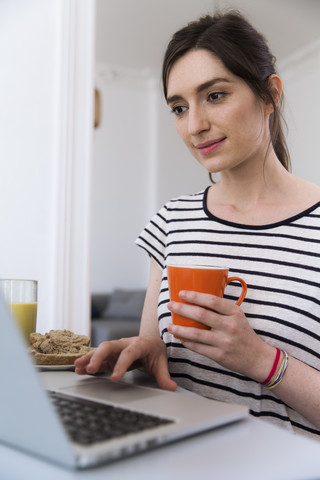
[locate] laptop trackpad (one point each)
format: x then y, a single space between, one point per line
106 391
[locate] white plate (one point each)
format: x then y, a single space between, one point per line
58 367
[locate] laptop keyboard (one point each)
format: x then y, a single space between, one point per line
89 422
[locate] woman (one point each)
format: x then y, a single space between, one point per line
259 220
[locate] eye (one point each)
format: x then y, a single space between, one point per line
178 110
215 96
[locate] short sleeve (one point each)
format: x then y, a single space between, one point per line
153 238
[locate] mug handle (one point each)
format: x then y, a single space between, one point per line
244 288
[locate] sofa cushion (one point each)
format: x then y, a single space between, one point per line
113 329
99 302
124 304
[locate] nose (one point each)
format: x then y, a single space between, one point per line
198 121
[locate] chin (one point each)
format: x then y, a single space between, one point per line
214 169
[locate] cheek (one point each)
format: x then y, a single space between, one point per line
181 129
249 125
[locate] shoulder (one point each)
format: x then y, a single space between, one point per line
309 184
306 193
187 200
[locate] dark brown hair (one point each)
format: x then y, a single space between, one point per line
244 52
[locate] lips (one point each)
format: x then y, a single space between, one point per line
210 146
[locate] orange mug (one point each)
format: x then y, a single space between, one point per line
198 278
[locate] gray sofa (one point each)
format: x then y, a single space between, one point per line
115 315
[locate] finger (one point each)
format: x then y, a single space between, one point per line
102 354
191 334
80 371
162 376
212 302
148 354
195 312
84 360
134 351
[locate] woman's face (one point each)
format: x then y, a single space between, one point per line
217 115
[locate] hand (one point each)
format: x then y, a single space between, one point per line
117 356
231 341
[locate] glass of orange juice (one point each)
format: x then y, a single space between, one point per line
21 297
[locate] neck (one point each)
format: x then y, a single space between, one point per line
260 194
251 184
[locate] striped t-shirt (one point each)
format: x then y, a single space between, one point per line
281 266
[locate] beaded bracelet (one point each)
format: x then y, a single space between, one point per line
273 369
278 376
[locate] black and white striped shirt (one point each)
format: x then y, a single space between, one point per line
281 266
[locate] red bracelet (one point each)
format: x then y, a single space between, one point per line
274 367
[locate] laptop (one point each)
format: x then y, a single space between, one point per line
29 418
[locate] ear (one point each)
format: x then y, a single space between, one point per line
275 87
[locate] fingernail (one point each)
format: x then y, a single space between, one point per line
91 368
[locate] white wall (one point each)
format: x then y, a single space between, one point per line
139 164
44 148
29 55
301 77
120 179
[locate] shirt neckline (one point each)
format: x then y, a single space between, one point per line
286 221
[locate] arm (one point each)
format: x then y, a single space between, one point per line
149 318
233 343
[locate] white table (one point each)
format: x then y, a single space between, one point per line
251 449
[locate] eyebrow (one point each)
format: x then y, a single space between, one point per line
200 88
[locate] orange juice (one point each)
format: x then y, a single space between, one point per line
26 316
